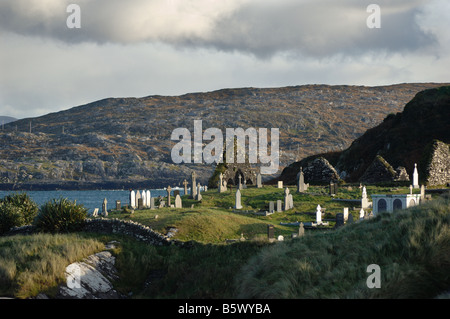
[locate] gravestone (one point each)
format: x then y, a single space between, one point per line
280 238
291 201
238 200
286 199
301 187
152 203
361 214
141 203
132 199
415 177
118 205
318 215
339 219
199 195
345 214
147 198
144 199
279 206
104 208
178 203
270 232
169 189
364 199
138 195
271 207
350 219
422 193
280 184
162 203
301 230
95 213
333 188
258 181
185 184
193 186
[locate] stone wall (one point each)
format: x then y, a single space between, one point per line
438 169
320 171
115 226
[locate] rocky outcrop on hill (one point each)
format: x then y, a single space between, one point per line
128 140
418 135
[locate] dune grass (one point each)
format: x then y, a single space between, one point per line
412 248
33 264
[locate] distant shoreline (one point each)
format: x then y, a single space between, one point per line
53 186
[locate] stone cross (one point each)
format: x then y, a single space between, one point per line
238 200
185 184
193 186
364 199
286 199
319 215
168 195
301 230
240 183
301 182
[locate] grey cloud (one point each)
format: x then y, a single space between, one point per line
318 28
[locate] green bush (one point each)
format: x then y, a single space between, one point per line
58 216
16 210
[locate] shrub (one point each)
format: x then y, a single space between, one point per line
60 216
16 210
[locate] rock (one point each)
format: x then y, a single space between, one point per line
91 278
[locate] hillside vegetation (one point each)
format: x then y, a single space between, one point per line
125 142
402 139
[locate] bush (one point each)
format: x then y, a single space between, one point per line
57 216
16 210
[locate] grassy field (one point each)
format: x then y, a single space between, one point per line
412 248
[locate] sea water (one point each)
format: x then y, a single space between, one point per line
90 199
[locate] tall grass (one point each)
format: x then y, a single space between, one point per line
33 264
412 248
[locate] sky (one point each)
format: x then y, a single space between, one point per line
54 57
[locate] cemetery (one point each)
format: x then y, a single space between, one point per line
201 214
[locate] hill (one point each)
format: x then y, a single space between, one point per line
126 142
419 134
7 119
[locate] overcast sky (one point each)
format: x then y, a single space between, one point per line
137 48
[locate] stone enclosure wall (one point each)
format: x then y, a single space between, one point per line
114 226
